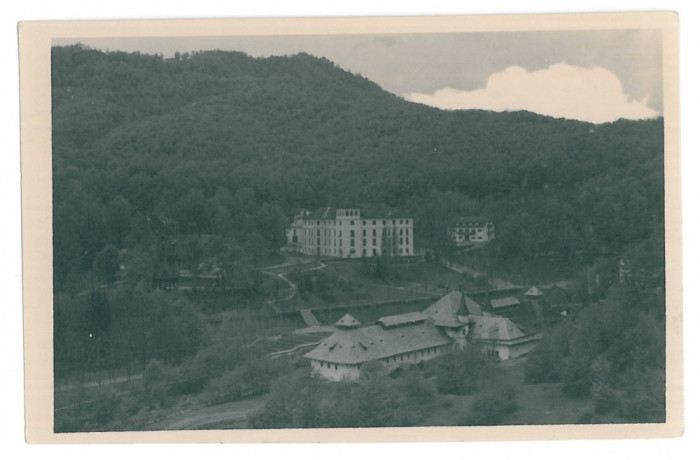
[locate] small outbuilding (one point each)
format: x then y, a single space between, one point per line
500 338
533 292
505 303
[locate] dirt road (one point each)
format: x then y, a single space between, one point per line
229 415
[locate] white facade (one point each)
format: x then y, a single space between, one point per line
510 350
472 230
337 372
345 233
500 338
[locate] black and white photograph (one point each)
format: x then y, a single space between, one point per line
424 224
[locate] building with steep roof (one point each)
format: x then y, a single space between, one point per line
346 233
533 292
504 303
448 306
500 338
392 341
347 322
410 338
472 229
473 308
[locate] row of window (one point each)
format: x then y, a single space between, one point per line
339 252
471 237
321 250
327 241
401 241
334 223
402 232
472 231
392 359
384 221
328 365
403 251
414 354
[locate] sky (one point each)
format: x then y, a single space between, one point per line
596 76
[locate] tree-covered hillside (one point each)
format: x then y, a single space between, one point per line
222 144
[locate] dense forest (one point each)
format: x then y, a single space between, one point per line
221 143
199 161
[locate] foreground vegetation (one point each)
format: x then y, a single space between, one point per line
604 364
213 376
613 354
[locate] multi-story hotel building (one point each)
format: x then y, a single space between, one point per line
346 233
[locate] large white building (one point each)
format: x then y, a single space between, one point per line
346 233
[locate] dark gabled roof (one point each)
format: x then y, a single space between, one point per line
357 346
401 320
504 302
473 308
445 311
493 328
445 319
470 220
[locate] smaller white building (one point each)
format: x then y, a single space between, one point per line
505 303
500 338
472 229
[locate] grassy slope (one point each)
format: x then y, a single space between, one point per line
538 404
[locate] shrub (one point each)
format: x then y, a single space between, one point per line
494 408
154 386
462 372
374 400
239 383
576 377
605 401
414 386
105 408
544 362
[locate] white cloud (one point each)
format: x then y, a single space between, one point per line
561 91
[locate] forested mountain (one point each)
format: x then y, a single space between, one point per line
223 144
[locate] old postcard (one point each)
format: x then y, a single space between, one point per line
352 229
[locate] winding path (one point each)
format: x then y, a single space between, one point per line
229 415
